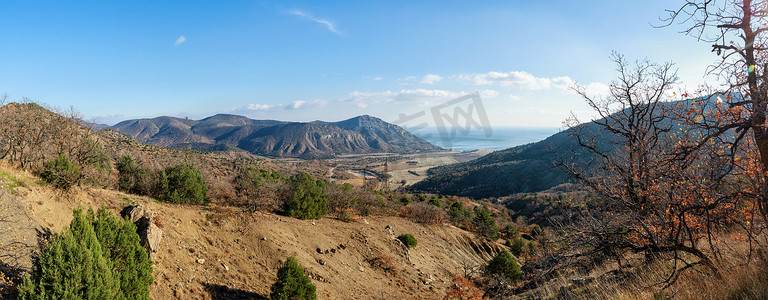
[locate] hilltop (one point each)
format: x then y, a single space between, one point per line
358 135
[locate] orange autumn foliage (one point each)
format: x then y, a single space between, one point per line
463 289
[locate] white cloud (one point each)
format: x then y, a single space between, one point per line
180 40
519 79
431 79
485 94
327 23
597 88
406 96
378 78
293 105
256 107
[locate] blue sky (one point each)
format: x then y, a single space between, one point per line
329 60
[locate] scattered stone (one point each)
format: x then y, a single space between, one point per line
264 238
582 280
321 262
226 268
326 251
333 250
341 246
390 230
179 291
365 221
427 280
361 269
200 261
320 251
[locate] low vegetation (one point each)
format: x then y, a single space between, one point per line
182 184
504 264
309 197
292 283
97 257
408 240
60 172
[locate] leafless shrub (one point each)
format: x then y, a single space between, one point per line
423 213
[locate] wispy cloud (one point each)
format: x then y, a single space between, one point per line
280 106
520 79
406 96
180 40
325 22
431 79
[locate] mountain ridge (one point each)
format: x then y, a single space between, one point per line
317 139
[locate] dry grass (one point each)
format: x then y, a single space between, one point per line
744 276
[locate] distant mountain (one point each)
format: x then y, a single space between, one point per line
362 134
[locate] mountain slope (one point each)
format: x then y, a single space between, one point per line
526 168
363 134
522 169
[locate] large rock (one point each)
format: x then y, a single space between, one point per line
150 236
148 231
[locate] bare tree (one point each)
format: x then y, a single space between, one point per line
649 199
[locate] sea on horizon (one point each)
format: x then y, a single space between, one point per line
499 138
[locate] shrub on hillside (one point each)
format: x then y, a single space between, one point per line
462 288
341 198
408 240
423 213
261 190
131 177
517 246
248 179
536 230
122 245
95 258
61 172
309 198
510 231
73 265
484 223
504 264
182 184
292 283
458 214
435 201
404 200
384 262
